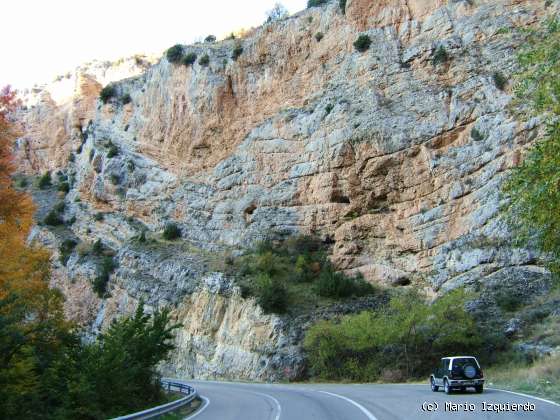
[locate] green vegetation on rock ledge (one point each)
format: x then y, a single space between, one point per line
295 274
533 211
399 341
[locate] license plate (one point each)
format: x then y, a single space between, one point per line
468 383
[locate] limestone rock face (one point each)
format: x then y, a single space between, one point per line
394 158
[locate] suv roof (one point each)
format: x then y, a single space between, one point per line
459 357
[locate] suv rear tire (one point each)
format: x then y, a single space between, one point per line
446 387
435 388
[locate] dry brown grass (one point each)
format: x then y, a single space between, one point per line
542 378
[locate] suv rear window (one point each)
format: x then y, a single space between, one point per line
463 361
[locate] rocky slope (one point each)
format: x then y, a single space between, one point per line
394 159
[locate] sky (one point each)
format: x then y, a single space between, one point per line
45 38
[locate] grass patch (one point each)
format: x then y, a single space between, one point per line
184 411
540 378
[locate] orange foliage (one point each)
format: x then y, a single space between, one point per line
23 270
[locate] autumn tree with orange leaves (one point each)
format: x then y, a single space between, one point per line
32 325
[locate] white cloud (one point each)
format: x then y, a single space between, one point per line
42 39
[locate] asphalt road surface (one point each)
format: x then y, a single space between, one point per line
240 401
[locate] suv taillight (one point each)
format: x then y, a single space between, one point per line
481 373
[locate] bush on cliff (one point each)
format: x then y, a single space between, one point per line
45 181
204 60
363 43
440 56
175 54
294 273
106 267
272 293
171 232
407 336
337 285
237 51
189 59
315 3
107 93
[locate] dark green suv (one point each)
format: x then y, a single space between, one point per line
458 372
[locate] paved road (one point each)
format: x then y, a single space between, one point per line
239 401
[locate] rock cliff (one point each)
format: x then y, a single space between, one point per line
393 155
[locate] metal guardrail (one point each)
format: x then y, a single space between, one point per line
189 392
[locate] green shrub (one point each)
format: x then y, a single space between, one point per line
98 217
237 51
142 237
363 43
53 219
440 56
189 59
115 179
342 4
175 54
171 232
65 249
97 248
59 207
45 181
64 187
289 265
107 93
272 294
328 109
204 60
499 80
507 300
210 39
319 36
105 268
131 166
22 183
476 135
302 270
71 158
315 3
408 335
113 151
336 285
126 99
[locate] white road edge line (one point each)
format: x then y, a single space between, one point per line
354 403
525 395
278 406
201 409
